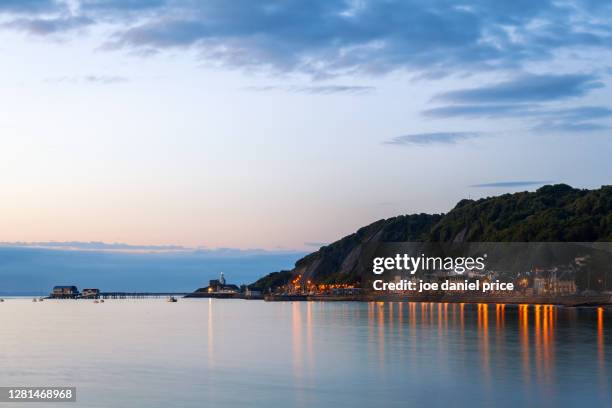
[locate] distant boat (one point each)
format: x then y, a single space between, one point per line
96 301
172 299
1 300
101 300
41 299
34 300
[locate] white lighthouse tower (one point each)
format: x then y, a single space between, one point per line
222 279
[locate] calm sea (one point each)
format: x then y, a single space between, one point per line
232 353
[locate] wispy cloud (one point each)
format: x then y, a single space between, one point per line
526 88
119 6
532 97
474 111
423 139
333 89
316 244
571 127
511 184
29 6
316 89
564 126
97 246
90 79
580 113
105 79
48 26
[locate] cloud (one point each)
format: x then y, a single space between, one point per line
510 184
579 119
317 90
91 79
531 97
327 37
48 26
526 88
544 117
316 244
105 79
118 6
570 127
422 139
331 37
28 6
333 89
474 111
580 113
95 246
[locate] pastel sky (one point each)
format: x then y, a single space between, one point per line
287 124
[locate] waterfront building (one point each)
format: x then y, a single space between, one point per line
217 288
553 286
346 291
90 293
220 285
248 292
63 292
564 287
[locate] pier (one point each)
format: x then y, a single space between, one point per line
122 295
137 295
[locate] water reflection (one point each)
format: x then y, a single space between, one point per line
500 335
300 375
312 354
296 331
483 335
381 332
309 336
210 333
536 335
601 357
523 314
600 336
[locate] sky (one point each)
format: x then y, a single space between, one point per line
284 125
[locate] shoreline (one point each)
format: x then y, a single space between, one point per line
567 301
594 300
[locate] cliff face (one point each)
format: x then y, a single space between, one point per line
552 213
337 262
